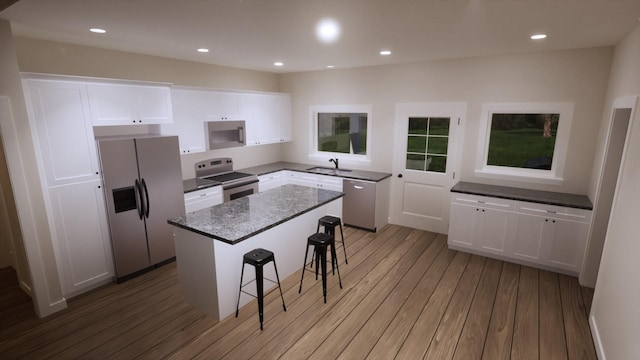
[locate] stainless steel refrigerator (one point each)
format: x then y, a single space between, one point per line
143 188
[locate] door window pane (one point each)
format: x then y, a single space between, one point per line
427 142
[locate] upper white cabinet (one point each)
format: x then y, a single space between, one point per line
548 236
123 104
60 111
188 120
267 116
270 118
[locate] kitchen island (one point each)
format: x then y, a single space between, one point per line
210 243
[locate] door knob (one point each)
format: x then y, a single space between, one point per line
399 175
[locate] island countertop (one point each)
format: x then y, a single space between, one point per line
237 220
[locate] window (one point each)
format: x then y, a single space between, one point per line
341 131
525 141
427 142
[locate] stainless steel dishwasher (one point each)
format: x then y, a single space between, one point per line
359 204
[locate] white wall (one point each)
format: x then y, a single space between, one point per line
578 76
42 278
615 311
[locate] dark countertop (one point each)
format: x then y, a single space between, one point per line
198 184
537 196
247 216
283 165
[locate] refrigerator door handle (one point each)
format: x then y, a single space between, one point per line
139 203
146 196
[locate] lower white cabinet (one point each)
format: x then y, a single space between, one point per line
320 181
547 236
202 199
271 180
81 234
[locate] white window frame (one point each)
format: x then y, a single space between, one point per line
314 154
556 174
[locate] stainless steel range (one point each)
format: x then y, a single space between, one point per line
235 184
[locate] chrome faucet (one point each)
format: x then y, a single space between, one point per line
335 161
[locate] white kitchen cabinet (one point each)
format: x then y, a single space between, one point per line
551 235
60 114
547 236
81 235
188 120
269 119
271 180
124 104
67 158
484 226
220 105
313 180
202 199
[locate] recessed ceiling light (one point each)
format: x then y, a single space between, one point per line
98 31
203 50
328 30
385 52
330 66
538 36
278 63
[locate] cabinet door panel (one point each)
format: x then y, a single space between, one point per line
528 239
461 231
81 235
567 247
65 134
494 230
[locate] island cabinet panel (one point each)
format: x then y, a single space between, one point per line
124 104
547 236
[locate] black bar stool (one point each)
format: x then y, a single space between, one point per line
258 258
320 243
329 224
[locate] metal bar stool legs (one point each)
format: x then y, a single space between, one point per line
320 243
258 258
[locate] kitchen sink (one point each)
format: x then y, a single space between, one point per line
328 170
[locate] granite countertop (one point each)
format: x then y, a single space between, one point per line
242 218
283 165
537 196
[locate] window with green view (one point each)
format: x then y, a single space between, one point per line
427 143
344 133
522 140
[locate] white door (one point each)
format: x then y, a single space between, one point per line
425 162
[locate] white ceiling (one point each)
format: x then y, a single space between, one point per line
253 34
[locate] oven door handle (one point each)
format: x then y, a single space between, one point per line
233 186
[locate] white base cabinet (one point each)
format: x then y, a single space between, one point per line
272 180
202 199
545 236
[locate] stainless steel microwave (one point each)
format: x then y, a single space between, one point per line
225 134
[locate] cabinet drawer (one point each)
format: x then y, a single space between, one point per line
554 212
482 201
202 199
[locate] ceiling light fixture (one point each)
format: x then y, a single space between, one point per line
278 63
385 52
98 31
203 50
538 36
328 30
330 66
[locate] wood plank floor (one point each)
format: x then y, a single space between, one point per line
405 295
